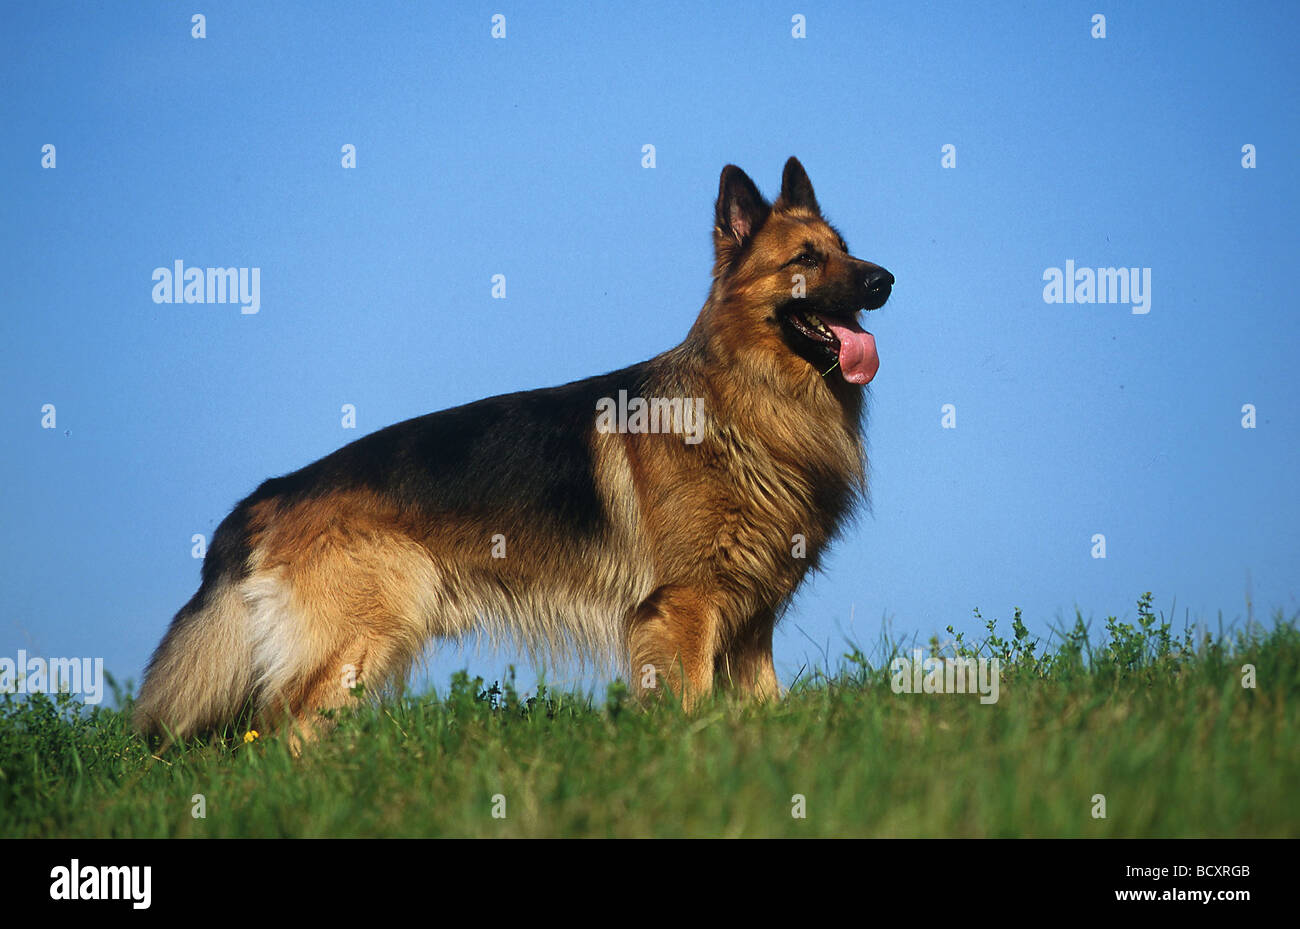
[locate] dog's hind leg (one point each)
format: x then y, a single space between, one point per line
372 664
673 640
336 599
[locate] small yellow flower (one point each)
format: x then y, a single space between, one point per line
251 735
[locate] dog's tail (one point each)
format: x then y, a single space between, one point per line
201 674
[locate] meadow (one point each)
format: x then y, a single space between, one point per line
1130 731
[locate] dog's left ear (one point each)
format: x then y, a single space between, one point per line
737 216
740 209
796 189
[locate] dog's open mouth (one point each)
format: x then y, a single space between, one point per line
841 340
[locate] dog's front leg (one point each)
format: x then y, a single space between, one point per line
746 661
673 642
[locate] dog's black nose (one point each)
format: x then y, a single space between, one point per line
878 284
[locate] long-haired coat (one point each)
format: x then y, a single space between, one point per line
669 542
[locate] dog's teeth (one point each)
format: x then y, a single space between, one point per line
814 324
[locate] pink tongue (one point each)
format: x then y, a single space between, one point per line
858 358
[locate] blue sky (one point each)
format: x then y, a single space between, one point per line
522 156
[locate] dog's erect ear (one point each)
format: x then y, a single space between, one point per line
796 189
740 210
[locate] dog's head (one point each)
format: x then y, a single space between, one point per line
786 289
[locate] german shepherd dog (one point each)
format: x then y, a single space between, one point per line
672 551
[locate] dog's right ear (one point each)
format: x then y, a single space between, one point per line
739 213
796 189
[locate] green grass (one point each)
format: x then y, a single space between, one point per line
1161 726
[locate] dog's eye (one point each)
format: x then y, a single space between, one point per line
808 259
